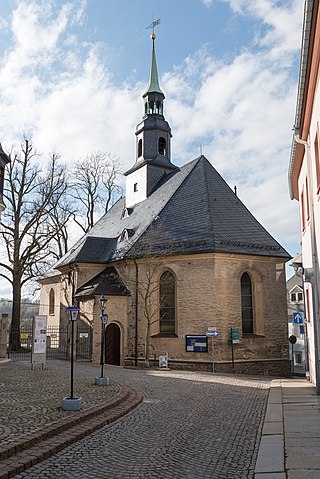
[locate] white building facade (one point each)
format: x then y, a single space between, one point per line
304 176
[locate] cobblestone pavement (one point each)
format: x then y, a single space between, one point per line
30 399
191 425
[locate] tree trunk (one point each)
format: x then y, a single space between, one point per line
147 343
16 310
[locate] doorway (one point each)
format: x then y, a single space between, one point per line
113 344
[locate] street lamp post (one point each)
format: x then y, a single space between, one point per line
72 403
101 381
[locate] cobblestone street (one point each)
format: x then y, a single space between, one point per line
191 425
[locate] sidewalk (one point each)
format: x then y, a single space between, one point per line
290 443
32 424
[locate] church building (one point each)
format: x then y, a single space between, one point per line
187 270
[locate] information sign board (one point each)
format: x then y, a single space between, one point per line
235 335
196 344
39 340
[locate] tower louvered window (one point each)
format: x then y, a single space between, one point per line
162 146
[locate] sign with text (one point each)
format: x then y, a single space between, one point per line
39 339
235 335
196 344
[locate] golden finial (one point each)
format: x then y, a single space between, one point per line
152 25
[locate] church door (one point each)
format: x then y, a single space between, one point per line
113 344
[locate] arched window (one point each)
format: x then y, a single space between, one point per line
162 146
139 148
246 304
167 303
51 301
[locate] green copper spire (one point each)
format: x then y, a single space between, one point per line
153 86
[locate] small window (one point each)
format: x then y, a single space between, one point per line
298 358
139 148
135 187
293 298
51 301
162 146
300 297
246 304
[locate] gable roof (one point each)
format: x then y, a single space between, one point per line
107 282
196 212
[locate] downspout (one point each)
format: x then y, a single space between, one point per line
310 275
136 315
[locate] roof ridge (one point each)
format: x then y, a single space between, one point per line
196 161
208 198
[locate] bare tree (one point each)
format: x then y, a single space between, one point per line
27 232
94 187
148 259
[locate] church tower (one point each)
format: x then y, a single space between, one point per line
153 137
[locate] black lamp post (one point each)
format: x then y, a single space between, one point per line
104 319
72 403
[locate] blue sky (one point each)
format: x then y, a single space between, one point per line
72 74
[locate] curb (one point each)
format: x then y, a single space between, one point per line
270 461
23 454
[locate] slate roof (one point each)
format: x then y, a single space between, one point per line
192 211
107 282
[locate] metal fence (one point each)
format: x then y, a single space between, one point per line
58 343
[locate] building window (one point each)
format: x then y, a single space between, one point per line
139 148
296 297
135 187
246 304
298 358
162 146
51 301
167 303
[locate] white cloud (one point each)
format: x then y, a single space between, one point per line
60 90
208 3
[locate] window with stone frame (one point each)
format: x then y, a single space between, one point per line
247 304
51 301
167 303
139 148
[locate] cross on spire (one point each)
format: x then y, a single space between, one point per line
153 24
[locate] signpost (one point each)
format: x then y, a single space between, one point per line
292 340
235 339
213 333
39 340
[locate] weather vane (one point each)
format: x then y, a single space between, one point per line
153 24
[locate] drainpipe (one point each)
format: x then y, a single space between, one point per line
136 316
311 274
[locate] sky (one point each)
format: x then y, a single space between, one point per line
72 76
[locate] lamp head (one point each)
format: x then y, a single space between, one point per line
103 302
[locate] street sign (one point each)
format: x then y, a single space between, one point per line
235 335
293 339
302 329
298 318
212 334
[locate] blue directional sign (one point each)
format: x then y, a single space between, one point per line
212 333
298 318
